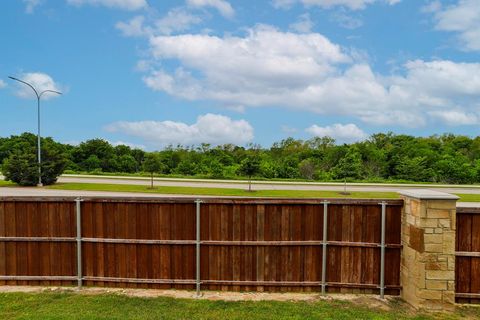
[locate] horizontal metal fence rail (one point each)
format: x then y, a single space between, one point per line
210 242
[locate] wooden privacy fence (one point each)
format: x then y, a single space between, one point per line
335 245
467 267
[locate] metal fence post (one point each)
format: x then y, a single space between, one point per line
79 241
197 248
382 251
324 246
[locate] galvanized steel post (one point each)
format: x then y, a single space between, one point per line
382 251
197 248
79 241
324 246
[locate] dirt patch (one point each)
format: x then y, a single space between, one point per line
372 301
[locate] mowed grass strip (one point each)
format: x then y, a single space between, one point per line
221 191
111 306
468 197
231 192
4 183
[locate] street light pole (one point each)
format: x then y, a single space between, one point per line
39 148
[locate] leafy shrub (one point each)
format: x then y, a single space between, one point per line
21 166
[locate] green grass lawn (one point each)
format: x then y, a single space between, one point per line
220 191
468 197
110 306
4 183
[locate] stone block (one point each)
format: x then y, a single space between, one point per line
448 297
442 257
451 285
436 266
451 263
438 213
428 257
429 294
415 208
434 247
440 275
433 238
417 241
436 284
442 204
428 223
449 242
444 223
411 220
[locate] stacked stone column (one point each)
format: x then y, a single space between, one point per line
428 254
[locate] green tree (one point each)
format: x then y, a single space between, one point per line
216 169
350 166
127 163
100 148
21 166
152 164
307 169
92 163
414 169
250 166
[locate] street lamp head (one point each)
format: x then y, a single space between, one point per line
51 91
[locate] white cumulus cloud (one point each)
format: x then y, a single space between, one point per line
455 117
2 84
308 72
224 7
340 132
261 65
176 20
40 81
350 4
462 18
209 128
120 4
134 27
303 25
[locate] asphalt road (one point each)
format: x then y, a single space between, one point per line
41 192
259 185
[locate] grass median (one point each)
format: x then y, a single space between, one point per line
230 191
220 191
111 306
4 183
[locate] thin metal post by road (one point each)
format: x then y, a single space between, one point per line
39 151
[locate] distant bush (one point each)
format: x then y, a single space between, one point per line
21 165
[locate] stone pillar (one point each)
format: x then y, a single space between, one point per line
428 254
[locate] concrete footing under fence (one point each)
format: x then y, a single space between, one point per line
428 253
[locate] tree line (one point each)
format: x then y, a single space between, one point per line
446 158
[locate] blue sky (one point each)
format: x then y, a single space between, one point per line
150 73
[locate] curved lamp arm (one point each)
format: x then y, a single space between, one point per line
52 91
28 84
